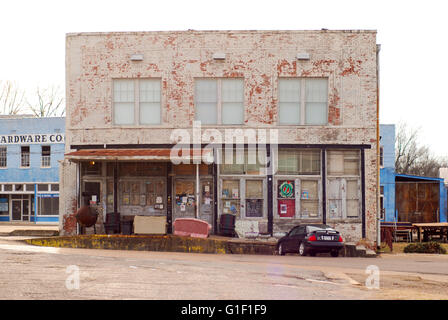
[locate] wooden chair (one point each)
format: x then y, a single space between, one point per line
112 224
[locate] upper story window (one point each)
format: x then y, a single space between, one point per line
219 101
25 156
381 156
45 157
303 101
136 101
3 157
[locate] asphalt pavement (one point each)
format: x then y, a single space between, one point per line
31 272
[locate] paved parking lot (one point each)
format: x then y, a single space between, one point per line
30 272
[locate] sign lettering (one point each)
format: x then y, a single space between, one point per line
32 138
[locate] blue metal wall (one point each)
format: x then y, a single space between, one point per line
387 173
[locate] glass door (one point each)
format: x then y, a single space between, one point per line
17 210
185 202
26 209
206 202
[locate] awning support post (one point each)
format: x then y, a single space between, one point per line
197 191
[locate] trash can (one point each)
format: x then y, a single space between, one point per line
227 225
126 226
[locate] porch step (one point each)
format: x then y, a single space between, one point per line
31 230
34 233
352 250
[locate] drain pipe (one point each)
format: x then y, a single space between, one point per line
378 226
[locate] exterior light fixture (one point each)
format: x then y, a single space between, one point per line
303 56
219 56
137 57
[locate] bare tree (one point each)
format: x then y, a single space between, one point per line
48 102
12 98
410 158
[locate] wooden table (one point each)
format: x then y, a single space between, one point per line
430 229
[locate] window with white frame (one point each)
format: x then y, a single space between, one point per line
344 184
3 157
45 156
251 161
219 101
381 156
298 183
25 156
137 101
254 198
299 162
303 101
48 206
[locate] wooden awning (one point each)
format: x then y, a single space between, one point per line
162 155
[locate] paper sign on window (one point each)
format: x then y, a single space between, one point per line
286 189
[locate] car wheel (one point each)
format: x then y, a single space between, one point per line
281 252
334 253
302 249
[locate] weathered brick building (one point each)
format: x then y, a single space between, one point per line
314 94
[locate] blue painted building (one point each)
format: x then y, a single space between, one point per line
387 171
30 149
407 198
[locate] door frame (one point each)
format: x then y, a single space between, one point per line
198 202
28 198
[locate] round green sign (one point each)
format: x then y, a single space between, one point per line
287 189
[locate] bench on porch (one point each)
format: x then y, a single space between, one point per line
150 224
400 230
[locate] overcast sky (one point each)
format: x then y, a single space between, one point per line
413 37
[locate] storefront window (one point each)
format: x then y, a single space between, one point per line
42 187
4 205
144 193
185 197
49 206
343 163
286 199
299 162
230 198
250 162
298 198
344 184
190 169
309 198
110 195
142 169
254 198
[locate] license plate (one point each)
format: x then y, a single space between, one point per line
328 238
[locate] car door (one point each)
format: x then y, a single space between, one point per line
295 238
287 240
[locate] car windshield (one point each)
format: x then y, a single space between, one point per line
318 227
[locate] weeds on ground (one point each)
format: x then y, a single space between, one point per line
425 247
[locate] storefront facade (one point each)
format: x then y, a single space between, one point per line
30 149
311 94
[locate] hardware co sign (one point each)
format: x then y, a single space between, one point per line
32 138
